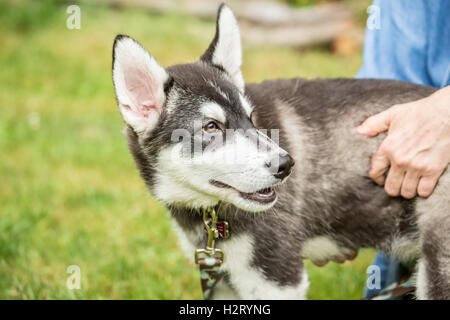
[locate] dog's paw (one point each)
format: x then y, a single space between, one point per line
323 249
347 256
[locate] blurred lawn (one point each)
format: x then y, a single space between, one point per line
69 191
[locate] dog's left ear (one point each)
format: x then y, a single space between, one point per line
225 51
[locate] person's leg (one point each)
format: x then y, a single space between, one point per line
390 272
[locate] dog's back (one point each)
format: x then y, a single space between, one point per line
330 186
330 192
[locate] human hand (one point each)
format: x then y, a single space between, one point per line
416 150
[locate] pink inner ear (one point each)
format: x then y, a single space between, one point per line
142 90
147 106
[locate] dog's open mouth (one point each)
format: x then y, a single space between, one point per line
265 195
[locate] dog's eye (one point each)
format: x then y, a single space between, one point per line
211 126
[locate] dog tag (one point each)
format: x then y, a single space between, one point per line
222 227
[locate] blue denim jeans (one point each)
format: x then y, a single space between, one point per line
390 271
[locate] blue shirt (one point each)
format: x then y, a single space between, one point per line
410 42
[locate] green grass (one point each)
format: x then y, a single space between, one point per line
69 191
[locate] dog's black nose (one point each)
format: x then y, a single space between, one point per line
285 164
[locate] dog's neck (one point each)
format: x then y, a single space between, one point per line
190 218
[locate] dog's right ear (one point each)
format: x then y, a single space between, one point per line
139 83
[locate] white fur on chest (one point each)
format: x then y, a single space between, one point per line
247 281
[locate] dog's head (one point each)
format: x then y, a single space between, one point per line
190 126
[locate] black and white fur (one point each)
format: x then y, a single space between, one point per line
328 208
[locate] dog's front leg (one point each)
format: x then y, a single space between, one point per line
247 278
